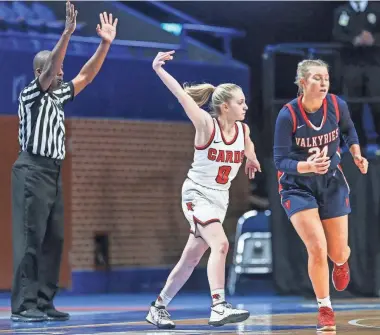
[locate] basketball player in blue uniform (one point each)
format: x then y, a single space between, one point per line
313 189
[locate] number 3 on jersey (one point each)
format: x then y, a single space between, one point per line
223 173
317 152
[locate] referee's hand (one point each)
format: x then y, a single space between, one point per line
107 28
71 18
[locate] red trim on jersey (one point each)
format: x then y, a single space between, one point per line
243 125
293 114
303 113
196 236
202 147
197 221
336 107
280 188
235 137
344 177
279 176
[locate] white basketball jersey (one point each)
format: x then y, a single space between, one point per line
217 163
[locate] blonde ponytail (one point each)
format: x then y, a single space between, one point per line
200 93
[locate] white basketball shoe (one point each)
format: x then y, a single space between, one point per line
159 317
223 313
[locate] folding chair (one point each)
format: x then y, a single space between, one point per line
253 247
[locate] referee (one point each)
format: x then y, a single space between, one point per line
37 200
357 27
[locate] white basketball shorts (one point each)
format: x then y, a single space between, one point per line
202 205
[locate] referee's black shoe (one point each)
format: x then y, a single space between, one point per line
53 314
29 315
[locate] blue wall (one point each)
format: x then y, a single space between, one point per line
125 88
134 280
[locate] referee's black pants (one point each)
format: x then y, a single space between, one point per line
363 81
37 231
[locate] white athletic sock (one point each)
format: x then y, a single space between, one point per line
217 296
163 300
325 302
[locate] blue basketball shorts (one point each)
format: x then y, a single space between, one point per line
329 193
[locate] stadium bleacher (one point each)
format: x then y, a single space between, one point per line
31 18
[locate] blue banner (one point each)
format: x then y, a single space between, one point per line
124 88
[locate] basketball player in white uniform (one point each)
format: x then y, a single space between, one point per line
221 142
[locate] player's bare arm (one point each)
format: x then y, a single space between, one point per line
201 120
55 60
252 164
107 32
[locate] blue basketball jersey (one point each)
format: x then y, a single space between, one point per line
302 136
315 133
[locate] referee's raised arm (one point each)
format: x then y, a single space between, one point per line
54 61
106 30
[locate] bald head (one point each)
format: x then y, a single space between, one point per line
42 62
40 59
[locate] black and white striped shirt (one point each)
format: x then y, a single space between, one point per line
41 119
